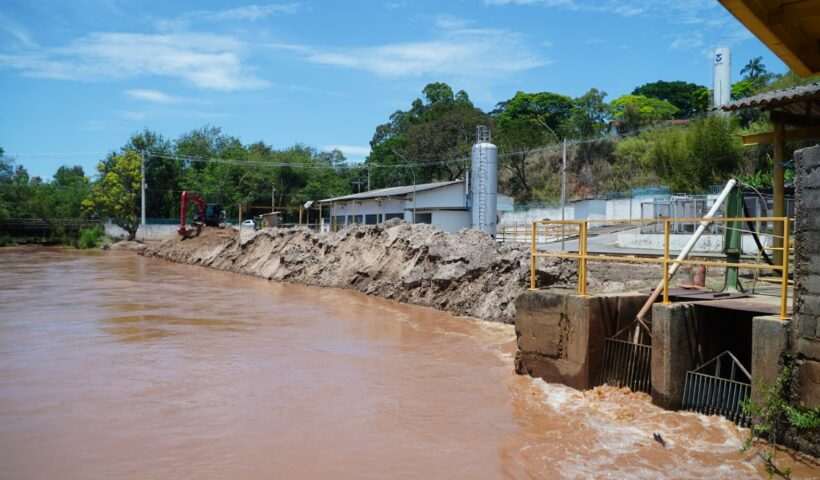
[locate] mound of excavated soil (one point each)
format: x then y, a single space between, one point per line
467 273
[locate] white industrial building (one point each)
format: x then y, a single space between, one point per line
445 205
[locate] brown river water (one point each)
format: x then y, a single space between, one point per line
114 366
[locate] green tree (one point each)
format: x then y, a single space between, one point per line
588 116
743 88
755 70
701 100
432 132
635 111
116 192
680 94
519 139
542 108
163 174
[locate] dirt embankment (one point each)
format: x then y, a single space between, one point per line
466 273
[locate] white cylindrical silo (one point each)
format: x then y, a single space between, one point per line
484 187
721 76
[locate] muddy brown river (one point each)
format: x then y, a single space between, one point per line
114 366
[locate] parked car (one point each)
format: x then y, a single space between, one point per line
248 224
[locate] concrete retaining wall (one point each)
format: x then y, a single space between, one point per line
708 243
561 336
144 232
806 324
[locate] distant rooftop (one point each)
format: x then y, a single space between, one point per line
391 192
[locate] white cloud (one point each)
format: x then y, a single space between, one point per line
246 13
349 150
251 13
446 21
204 60
395 5
133 116
704 17
17 31
479 54
152 96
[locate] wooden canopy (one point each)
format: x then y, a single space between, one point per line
797 108
790 28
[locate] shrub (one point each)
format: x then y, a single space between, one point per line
90 237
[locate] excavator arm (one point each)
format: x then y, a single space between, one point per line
183 212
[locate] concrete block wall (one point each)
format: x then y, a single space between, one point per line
806 324
561 337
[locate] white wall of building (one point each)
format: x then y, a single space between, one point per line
451 196
451 220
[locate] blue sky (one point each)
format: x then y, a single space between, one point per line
77 78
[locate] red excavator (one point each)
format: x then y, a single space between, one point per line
210 214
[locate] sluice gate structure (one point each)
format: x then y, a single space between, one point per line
693 349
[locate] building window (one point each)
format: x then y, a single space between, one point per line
354 219
371 219
388 216
340 220
424 218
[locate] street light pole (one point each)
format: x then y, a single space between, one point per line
563 192
563 179
414 181
142 188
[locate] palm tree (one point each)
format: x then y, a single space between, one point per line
754 70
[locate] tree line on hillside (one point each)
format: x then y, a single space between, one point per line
611 149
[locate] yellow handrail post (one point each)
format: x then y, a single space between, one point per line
532 258
582 262
666 261
784 286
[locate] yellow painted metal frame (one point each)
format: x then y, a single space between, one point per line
584 257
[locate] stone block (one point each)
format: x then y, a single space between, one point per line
812 179
806 324
809 347
808 158
809 377
770 339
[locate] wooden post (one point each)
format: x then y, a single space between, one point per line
300 215
778 182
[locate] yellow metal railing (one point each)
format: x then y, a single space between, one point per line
583 256
522 232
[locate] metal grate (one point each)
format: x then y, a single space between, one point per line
627 358
719 387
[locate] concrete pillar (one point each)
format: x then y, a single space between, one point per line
673 352
561 336
770 339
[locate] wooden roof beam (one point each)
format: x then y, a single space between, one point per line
794 12
809 133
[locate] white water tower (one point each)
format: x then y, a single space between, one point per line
721 76
484 182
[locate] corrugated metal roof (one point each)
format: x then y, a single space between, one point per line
392 191
790 99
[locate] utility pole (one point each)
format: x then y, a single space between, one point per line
273 199
563 193
142 184
368 178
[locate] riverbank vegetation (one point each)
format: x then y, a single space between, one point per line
659 134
